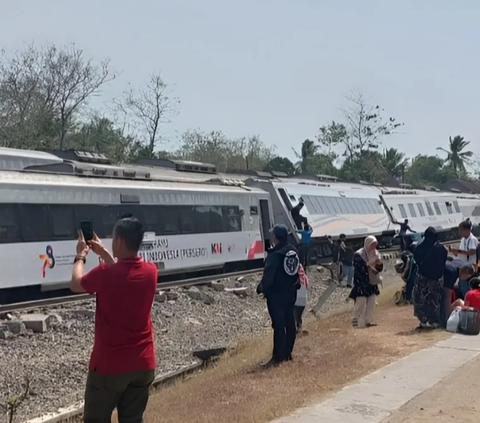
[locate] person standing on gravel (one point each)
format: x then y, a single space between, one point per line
279 284
122 364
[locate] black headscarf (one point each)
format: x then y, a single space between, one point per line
430 255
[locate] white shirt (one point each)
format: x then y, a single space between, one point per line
467 244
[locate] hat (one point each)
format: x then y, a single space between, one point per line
280 232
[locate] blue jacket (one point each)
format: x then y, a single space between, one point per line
280 273
306 236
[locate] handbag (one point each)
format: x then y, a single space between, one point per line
374 277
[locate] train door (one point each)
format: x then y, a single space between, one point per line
265 223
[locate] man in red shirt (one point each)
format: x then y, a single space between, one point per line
122 364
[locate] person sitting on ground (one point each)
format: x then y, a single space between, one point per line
455 271
472 299
430 257
345 258
364 293
467 250
122 364
295 212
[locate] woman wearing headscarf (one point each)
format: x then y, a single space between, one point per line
364 291
430 257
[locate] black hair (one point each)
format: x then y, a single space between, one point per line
131 231
466 224
467 268
343 236
475 283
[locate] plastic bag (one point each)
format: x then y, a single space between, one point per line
454 320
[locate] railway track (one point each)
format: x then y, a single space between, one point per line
82 297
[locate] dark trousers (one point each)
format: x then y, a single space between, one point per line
282 313
403 244
127 392
304 255
298 317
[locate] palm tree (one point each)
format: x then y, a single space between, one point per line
394 162
457 158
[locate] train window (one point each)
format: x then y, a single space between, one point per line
105 218
187 220
63 223
328 204
204 219
456 206
361 206
35 225
429 208
342 201
412 210
309 203
403 212
319 205
9 227
233 219
253 211
149 218
216 220
448 205
336 205
168 220
420 209
355 206
437 208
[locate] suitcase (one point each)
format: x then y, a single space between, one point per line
469 323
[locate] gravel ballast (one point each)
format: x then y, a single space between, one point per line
185 320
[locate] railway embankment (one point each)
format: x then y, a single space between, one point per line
54 358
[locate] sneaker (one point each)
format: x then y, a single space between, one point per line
370 325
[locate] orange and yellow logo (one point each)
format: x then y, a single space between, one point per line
48 260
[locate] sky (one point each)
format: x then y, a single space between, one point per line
278 68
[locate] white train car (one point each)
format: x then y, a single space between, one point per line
332 208
423 209
193 229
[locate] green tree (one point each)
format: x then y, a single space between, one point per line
43 91
428 170
394 162
330 136
457 157
100 135
365 166
280 164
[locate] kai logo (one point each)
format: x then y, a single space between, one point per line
48 260
217 248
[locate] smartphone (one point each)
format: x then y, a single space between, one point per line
87 230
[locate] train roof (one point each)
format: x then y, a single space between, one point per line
32 178
77 163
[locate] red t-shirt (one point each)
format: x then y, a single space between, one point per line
123 327
473 298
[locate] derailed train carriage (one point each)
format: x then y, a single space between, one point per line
194 227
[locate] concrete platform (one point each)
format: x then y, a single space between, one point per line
376 397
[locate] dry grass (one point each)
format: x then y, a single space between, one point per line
331 356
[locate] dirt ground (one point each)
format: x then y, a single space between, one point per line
453 399
332 355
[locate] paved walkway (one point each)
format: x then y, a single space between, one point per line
404 391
